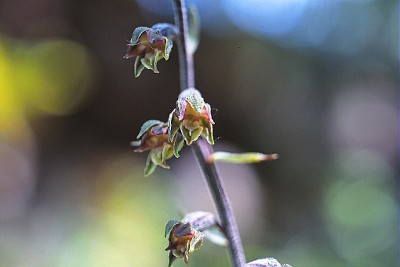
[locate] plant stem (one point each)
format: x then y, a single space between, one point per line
202 149
186 69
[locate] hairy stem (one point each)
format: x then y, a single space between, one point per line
202 149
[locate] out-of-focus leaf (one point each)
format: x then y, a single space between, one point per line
250 157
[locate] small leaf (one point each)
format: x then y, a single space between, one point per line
150 166
194 29
168 227
250 157
146 126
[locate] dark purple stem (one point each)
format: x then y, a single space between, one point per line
186 69
202 149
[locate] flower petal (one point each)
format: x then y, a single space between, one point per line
138 67
168 47
208 134
195 134
178 145
173 125
156 157
186 135
167 152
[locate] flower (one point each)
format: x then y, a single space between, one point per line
192 116
150 45
183 239
153 136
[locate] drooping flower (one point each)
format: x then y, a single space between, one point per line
183 239
150 45
192 116
153 136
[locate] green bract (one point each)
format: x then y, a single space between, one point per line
154 137
192 116
150 45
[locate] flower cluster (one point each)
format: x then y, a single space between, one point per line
150 45
187 122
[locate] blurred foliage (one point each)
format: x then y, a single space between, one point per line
50 77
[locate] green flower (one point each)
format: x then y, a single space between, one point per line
192 116
154 137
150 45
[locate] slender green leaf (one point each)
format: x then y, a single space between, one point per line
250 157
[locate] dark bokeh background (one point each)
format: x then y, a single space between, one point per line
312 80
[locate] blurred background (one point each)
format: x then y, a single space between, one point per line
313 80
